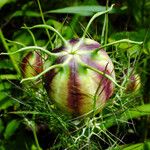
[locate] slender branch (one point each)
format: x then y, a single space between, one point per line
52 29
106 27
34 41
104 74
15 42
9 77
95 16
8 50
103 32
42 73
31 48
32 125
42 16
120 41
91 20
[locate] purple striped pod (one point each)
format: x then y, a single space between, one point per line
32 64
134 81
74 87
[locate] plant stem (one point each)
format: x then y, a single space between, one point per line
42 16
34 41
91 20
8 51
32 48
15 42
42 73
119 41
31 124
9 77
94 17
105 75
106 28
103 32
35 137
53 29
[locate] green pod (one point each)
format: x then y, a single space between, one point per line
32 64
134 81
75 88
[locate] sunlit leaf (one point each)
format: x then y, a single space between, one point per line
81 10
128 114
138 146
147 145
4 2
28 13
11 128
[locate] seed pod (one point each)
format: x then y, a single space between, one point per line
32 64
75 88
134 81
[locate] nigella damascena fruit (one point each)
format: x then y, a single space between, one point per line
74 87
134 81
32 64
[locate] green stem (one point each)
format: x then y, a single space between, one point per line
32 48
35 137
8 50
120 41
92 19
34 41
42 16
52 29
31 124
9 77
103 32
105 75
42 73
15 42
106 28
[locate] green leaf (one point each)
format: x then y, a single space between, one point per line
4 2
11 128
66 31
28 13
6 64
140 35
5 101
81 10
2 148
4 86
128 114
138 146
147 145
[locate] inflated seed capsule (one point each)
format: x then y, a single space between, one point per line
134 81
32 64
77 87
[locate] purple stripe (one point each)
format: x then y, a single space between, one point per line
74 94
49 76
89 47
24 63
131 84
57 50
106 83
38 64
73 41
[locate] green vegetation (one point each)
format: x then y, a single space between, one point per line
29 120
